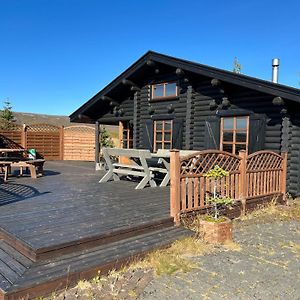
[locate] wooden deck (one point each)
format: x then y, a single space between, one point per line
66 225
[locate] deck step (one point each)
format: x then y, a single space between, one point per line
53 274
13 265
83 243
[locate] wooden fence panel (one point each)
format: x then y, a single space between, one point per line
12 136
79 143
45 139
264 173
258 175
195 187
52 142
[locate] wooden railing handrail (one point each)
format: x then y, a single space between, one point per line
183 158
262 152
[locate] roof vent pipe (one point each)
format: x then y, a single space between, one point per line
275 69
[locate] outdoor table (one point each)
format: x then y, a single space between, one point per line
5 151
164 158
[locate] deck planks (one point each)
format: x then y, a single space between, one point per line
67 226
70 206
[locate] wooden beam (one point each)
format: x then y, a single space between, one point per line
133 86
135 119
175 186
84 118
170 108
120 135
135 89
188 117
113 103
179 72
150 63
225 102
106 98
97 143
216 82
278 101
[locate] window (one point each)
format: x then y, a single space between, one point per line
164 90
162 134
234 134
126 135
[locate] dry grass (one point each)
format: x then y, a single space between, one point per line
175 258
273 212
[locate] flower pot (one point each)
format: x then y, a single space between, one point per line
216 232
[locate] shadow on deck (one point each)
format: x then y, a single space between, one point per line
70 225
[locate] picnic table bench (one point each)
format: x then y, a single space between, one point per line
139 166
5 167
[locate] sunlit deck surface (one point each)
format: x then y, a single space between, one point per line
65 226
69 203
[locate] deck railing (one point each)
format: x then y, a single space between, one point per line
260 174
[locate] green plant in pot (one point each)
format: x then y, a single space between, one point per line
215 227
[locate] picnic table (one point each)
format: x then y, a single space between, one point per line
163 156
139 166
35 166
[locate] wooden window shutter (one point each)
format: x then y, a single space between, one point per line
148 135
177 134
212 133
257 129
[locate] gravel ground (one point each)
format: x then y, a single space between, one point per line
266 267
264 263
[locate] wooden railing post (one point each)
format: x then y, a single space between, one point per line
23 136
283 177
243 180
175 186
61 142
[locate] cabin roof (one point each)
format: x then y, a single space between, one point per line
242 80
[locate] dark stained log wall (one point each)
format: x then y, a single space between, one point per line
294 155
193 107
126 106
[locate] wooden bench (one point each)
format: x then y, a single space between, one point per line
141 169
35 166
5 167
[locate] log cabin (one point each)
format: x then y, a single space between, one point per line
163 102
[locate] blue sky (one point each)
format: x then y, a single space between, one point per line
56 54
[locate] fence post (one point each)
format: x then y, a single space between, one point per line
283 177
243 180
175 186
61 140
23 136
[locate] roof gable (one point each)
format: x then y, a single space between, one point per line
264 86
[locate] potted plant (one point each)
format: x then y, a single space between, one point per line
215 227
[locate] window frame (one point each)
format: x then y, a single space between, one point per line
162 131
127 131
234 132
164 97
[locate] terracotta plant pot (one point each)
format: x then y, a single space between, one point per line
216 232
